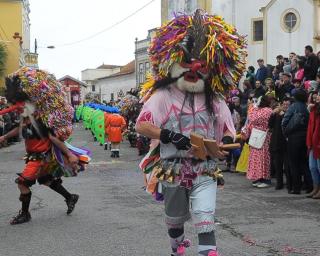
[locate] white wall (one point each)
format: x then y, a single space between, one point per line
115 84
92 74
243 22
281 42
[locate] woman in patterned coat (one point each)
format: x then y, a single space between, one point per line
259 159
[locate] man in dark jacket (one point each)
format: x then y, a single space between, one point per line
284 88
312 64
294 127
262 72
278 144
259 91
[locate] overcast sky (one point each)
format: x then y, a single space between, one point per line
60 21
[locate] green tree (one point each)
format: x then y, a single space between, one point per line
3 59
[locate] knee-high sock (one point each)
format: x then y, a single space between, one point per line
25 201
56 186
207 243
176 235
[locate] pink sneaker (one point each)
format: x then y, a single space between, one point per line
182 247
213 253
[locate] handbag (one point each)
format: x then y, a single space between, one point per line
257 138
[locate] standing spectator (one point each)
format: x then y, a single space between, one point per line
280 63
259 91
250 76
270 88
262 72
311 65
278 143
297 86
318 55
299 75
286 66
244 97
294 67
259 159
313 143
292 56
294 127
284 87
275 74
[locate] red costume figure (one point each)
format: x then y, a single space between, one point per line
107 142
115 124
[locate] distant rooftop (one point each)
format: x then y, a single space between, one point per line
106 66
124 70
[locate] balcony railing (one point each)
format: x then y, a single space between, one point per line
31 59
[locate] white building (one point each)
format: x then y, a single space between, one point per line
272 27
90 76
110 87
142 60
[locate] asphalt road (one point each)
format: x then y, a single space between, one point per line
114 216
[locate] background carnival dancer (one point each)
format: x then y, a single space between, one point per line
195 59
115 124
107 143
46 121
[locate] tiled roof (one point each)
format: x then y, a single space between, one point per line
106 66
124 70
72 78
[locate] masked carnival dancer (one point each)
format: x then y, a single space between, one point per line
116 125
45 122
195 60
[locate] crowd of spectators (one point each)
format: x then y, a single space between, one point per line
283 101
7 122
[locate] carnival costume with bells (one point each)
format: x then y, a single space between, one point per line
38 97
195 59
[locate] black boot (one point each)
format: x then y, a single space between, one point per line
24 214
105 146
117 154
71 202
113 155
22 217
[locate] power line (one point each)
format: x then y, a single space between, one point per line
108 28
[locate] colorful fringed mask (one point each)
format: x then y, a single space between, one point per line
197 48
40 93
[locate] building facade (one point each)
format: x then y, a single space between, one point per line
142 61
74 89
90 76
15 34
272 27
116 85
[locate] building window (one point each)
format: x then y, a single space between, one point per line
93 88
141 73
257 30
290 20
147 66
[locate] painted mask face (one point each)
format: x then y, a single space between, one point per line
191 76
28 109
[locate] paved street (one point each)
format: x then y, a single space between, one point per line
115 216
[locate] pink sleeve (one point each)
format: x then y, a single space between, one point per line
156 109
224 120
300 74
